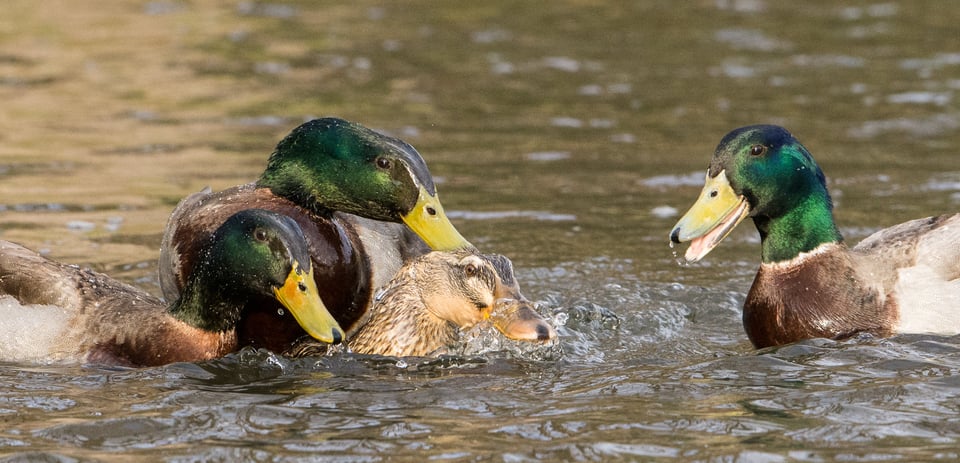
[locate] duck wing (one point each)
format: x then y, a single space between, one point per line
54 312
32 279
933 242
917 263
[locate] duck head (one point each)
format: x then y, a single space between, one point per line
255 254
513 314
470 288
331 164
762 172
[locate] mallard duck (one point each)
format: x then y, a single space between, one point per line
433 298
349 188
903 279
58 312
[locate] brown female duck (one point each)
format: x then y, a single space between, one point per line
57 312
321 174
433 298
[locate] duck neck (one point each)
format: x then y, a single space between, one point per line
292 183
800 229
442 332
431 333
207 309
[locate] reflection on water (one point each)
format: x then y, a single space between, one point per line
566 135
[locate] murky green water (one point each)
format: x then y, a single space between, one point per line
566 135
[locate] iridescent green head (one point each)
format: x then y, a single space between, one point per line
255 255
770 168
763 172
331 164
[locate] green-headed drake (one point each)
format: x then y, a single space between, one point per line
54 312
332 177
435 297
904 279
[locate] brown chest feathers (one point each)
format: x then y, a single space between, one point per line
818 295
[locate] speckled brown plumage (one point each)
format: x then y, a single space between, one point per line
426 304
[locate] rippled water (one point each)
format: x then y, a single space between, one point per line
566 135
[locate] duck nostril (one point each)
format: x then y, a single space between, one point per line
675 235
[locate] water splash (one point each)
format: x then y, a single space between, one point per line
483 339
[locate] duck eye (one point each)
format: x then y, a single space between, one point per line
383 163
470 270
260 235
757 150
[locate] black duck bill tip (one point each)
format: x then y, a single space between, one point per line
518 321
712 217
300 296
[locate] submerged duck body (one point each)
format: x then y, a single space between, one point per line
903 279
62 313
435 297
365 201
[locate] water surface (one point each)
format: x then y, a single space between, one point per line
566 135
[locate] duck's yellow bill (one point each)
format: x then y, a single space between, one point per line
300 296
428 220
715 214
518 321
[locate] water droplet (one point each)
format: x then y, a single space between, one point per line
676 255
560 319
